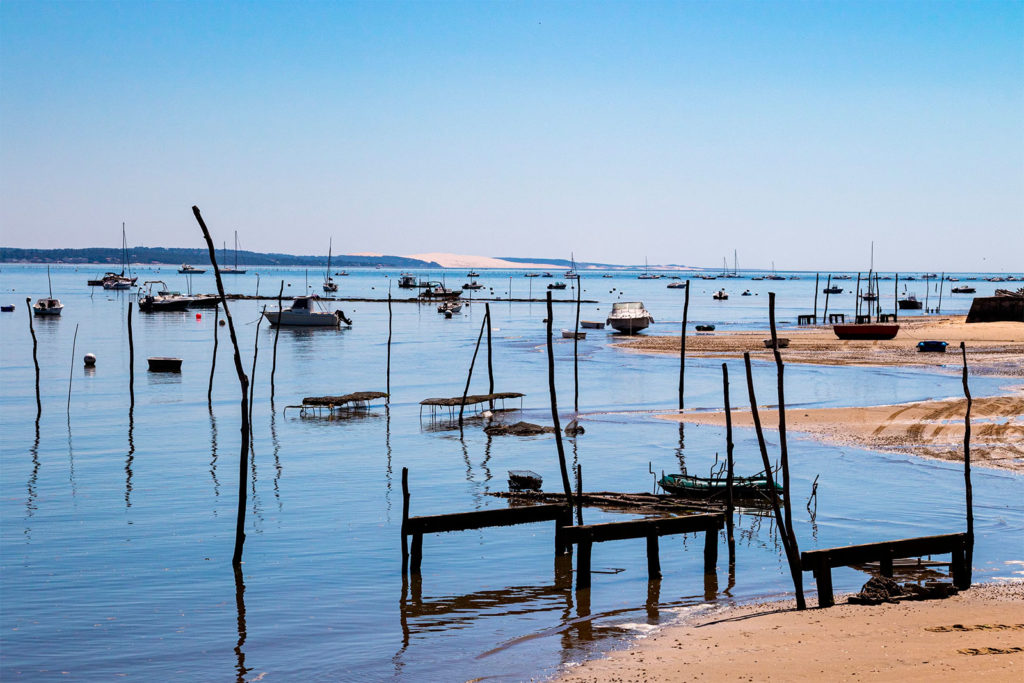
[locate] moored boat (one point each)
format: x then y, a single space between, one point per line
720 295
963 289
435 290
870 331
164 364
186 269
629 317
302 314
689 485
909 303
163 300
556 285
569 334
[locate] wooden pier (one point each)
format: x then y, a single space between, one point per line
585 536
821 562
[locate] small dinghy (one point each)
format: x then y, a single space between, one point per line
164 364
706 487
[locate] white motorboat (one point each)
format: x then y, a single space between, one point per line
302 314
163 300
720 295
48 306
629 317
450 307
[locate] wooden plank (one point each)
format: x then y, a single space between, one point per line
868 552
638 528
460 521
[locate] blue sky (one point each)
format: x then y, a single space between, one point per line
793 132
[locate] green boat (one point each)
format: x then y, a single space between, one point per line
706 487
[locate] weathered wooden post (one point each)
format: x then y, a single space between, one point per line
405 519
942 284
213 361
388 370
277 333
71 373
554 413
35 357
243 382
896 299
792 555
653 558
576 351
252 376
816 276
469 376
828 286
682 346
729 506
794 561
490 359
969 550
856 300
131 361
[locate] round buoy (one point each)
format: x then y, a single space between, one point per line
222 323
199 316
90 359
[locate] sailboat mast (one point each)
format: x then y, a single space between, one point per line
330 245
236 250
48 282
735 263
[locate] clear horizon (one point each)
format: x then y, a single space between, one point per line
797 133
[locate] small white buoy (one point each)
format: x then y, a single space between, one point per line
90 360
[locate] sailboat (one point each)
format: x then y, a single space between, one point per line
228 270
735 267
571 274
329 284
774 275
122 281
646 275
48 306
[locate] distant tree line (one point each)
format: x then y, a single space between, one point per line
200 257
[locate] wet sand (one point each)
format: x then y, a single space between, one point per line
992 348
976 635
928 428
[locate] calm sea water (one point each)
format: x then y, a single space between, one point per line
117 529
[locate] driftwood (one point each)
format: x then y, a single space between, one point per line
517 429
881 589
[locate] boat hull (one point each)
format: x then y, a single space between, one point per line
163 364
289 319
866 331
629 325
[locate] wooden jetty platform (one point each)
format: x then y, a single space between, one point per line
355 400
822 561
586 535
471 400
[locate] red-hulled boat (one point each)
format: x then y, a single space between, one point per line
866 330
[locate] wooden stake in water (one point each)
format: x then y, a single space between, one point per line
729 507
243 383
576 352
554 411
794 560
131 361
35 357
469 376
816 276
828 286
252 376
71 373
682 346
896 298
490 359
213 362
969 553
388 371
277 334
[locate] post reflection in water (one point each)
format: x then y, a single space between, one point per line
240 668
33 479
387 454
129 459
653 600
71 462
213 458
484 464
257 506
277 457
680 453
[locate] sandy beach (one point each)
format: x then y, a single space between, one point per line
992 348
975 635
932 429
